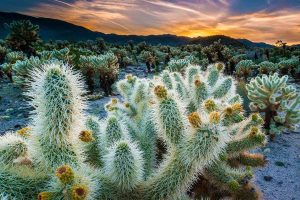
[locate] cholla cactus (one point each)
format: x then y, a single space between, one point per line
107 67
3 52
88 70
204 135
23 34
278 100
62 55
244 69
10 59
267 67
184 110
28 161
21 69
178 65
290 66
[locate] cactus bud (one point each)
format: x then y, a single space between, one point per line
219 66
65 174
253 131
210 105
233 185
160 91
129 77
127 105
44 196
114 101
79 192
228 111
197 82
237 107
24 132
195 120
86 136
214 117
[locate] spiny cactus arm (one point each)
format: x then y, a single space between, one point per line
250 159
252 140
191 72
124 165
179 85
21 182
227 177
114 130
242 128
92 138
199 91
168 116
56 94
213 75
107 189
147 143
125 87
223 88
171 178
166 79
12 146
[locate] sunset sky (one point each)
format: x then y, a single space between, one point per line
257 20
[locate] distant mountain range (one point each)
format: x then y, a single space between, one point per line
53 29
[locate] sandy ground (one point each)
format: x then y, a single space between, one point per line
279 180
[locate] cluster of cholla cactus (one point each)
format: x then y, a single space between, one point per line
267 67
10 59
23 35
290 66
105 66
22 68
278 100
244 69
154 145
177 65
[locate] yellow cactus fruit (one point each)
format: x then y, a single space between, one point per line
195 120
160 91
65 174
214 117
86 136
79 192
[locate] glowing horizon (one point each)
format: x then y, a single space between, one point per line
256 20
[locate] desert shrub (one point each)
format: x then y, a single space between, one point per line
267 67
61 54
22 68
177 65
278 100
244 69
10 59
107 68
3 52
23 34
290 66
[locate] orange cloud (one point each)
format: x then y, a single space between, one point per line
187 18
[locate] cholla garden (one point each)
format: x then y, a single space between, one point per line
176 136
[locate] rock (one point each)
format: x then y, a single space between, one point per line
268 178
17 126
279 163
